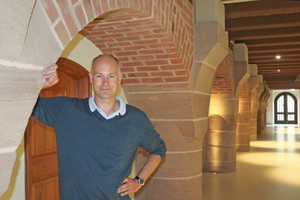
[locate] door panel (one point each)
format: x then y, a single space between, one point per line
41 168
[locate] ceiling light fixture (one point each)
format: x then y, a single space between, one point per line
278 70
278 57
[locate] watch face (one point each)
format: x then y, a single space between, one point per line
141 181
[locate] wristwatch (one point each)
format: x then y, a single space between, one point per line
140 181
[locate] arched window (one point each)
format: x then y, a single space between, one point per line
285 108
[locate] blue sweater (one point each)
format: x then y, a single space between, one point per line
94 154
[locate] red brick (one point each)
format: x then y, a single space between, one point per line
145 42
137 75
119 44
172 67
165 45
150 27
68 17
104 6
171 50
177 79
177 61
110 50
123 59
180 73
131 64
147 57
103 41
127 69
97 32
139 33
62 33
119 4
100 46
118 30
157 62
88 9
125 3
158 36
136 47
115 35
112 4
80 16
128 38
165 40
152 80
167 56
161 74
146 68
50 9
154 51
130 81
126 53
74 1
97 8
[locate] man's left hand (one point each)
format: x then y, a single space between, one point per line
129 186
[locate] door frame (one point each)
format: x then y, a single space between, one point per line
285 94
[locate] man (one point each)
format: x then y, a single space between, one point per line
97 138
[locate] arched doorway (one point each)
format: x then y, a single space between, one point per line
285 108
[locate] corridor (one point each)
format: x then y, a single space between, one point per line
269 171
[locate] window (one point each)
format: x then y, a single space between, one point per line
285 108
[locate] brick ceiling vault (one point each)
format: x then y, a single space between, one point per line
148 51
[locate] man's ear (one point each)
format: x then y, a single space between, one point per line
120 78
91 78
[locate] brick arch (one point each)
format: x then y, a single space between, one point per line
244 91
223 80
153 39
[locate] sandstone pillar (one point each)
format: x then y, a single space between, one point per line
241 74
264 100
259 91
253 84
211 47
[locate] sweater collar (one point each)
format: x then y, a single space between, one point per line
120 111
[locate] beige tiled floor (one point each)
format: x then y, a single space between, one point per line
269 171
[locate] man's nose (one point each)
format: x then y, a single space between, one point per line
105 81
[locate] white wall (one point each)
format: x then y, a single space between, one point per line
81 51
270 107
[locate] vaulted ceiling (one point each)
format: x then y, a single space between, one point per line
269 28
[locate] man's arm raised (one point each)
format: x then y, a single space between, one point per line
50 75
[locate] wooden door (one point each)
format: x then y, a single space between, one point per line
41 171
285 105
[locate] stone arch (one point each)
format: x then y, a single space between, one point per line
222 105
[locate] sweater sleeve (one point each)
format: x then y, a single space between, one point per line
48 110
152 142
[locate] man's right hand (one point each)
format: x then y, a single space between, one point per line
50 76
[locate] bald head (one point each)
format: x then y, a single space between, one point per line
107 59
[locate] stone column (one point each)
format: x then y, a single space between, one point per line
243 125
259 91
264 101
241 74
211 47
253 84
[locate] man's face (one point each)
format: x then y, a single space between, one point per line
105 78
